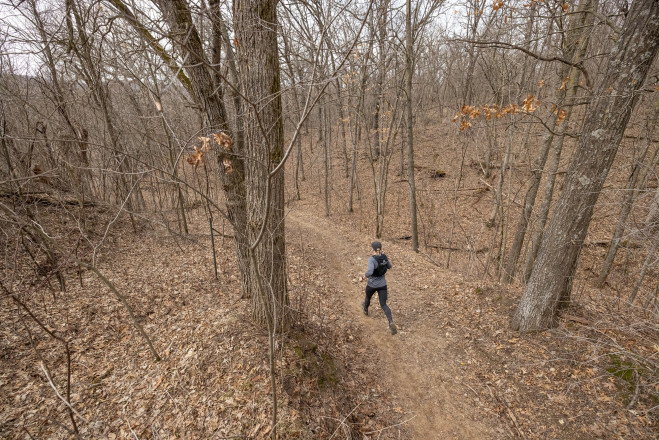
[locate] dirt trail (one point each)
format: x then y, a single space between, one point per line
418 362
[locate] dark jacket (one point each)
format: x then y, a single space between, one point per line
374 281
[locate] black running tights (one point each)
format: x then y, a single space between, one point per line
382 296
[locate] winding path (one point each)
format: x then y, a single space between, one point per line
418 360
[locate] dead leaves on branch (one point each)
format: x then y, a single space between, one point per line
196 158
561 116
222 139
529 105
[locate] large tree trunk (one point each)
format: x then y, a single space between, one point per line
574 49
209 98
255 24
608 114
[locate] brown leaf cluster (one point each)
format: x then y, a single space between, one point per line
196 158
529 104
472 112
561 116
222 139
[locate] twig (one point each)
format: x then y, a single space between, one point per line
56 337
60 396
131 430
123 301
27 432
637 389
576 319
506 195
430 259
502 45
510 411
343 422
391 426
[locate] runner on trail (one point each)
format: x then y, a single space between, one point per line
378 263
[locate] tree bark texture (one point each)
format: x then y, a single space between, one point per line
209 98
255 24
574 48
607 117
409 52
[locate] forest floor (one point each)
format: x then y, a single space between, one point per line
453 371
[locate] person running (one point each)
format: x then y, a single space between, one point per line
378 263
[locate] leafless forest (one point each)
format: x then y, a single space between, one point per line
188 190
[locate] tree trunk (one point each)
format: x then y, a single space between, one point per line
381 17
299 164
648 260
325 129
498 191
475 13
552 169
255 24
574 49
359 110
652 225
209 99
409 48
608 114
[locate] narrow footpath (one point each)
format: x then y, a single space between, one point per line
419 361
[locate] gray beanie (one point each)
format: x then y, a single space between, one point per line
376 245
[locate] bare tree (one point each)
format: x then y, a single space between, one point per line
550 284
636 178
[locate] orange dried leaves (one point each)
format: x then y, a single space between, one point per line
561 116
222 139
205 143
509 109
196 158
529 104
498 4
472 112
